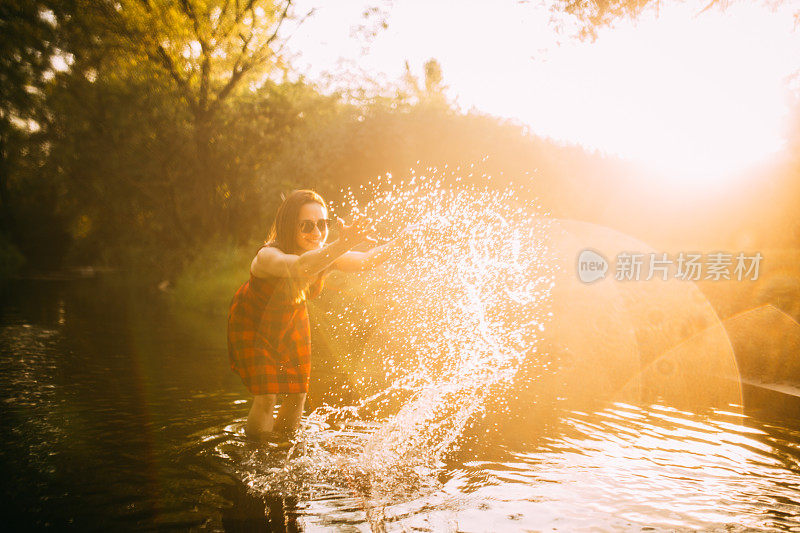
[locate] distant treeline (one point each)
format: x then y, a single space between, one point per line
138 135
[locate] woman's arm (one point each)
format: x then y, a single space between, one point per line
358 261
272 262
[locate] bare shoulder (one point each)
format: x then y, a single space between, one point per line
270 261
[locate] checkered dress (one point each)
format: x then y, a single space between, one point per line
269 336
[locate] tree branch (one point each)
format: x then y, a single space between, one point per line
239 69
160 55
281 19
238 14
183 84
205 49
709 6
188 10
222 12
302 20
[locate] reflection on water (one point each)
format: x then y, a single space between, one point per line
117 414
620 467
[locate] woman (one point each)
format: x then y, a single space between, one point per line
268 329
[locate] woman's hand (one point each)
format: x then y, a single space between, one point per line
359 231
359 261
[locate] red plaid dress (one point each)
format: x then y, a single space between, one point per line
269 335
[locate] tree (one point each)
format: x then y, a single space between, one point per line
592 15
27 44
31 54
431 91
207 50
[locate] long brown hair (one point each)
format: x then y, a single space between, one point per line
282 234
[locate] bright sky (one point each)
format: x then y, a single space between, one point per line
697 96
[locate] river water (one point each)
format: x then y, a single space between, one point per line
121 414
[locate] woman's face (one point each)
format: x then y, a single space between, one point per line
313 239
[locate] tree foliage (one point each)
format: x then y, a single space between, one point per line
171 126
592 15
27 44
204 51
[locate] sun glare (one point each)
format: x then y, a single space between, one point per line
696 96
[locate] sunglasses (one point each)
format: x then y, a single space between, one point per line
323 224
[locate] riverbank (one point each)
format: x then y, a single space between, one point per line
207 284
11 259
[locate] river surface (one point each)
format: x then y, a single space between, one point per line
120 414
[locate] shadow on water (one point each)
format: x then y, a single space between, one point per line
248 513
98 382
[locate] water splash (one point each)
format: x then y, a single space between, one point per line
446 325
